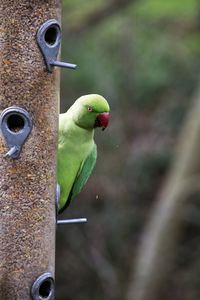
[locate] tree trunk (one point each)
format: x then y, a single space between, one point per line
160 238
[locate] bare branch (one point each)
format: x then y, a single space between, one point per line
161 235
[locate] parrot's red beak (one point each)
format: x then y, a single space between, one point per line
102 120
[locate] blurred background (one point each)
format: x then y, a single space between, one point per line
143 57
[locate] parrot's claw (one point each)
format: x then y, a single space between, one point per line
57 196
68 221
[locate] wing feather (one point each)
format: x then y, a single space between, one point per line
82 177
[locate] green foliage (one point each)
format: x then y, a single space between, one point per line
137 59
148 10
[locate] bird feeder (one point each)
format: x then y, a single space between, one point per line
29 85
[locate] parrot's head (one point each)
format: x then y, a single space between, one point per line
91 111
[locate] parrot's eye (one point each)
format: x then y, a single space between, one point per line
89 109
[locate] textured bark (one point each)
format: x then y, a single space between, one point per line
27 184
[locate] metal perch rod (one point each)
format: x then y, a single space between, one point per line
71 221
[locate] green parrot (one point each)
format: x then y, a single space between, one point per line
77 151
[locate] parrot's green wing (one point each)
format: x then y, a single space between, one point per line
82 177
85 172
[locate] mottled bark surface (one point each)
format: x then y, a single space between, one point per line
27 185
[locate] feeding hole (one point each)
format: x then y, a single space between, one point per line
15 123
45 289
51 35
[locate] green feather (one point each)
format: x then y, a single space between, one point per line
76 147
82 177
85 172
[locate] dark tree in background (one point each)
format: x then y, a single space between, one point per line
143 56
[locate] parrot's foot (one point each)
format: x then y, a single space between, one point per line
68 221
57 197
